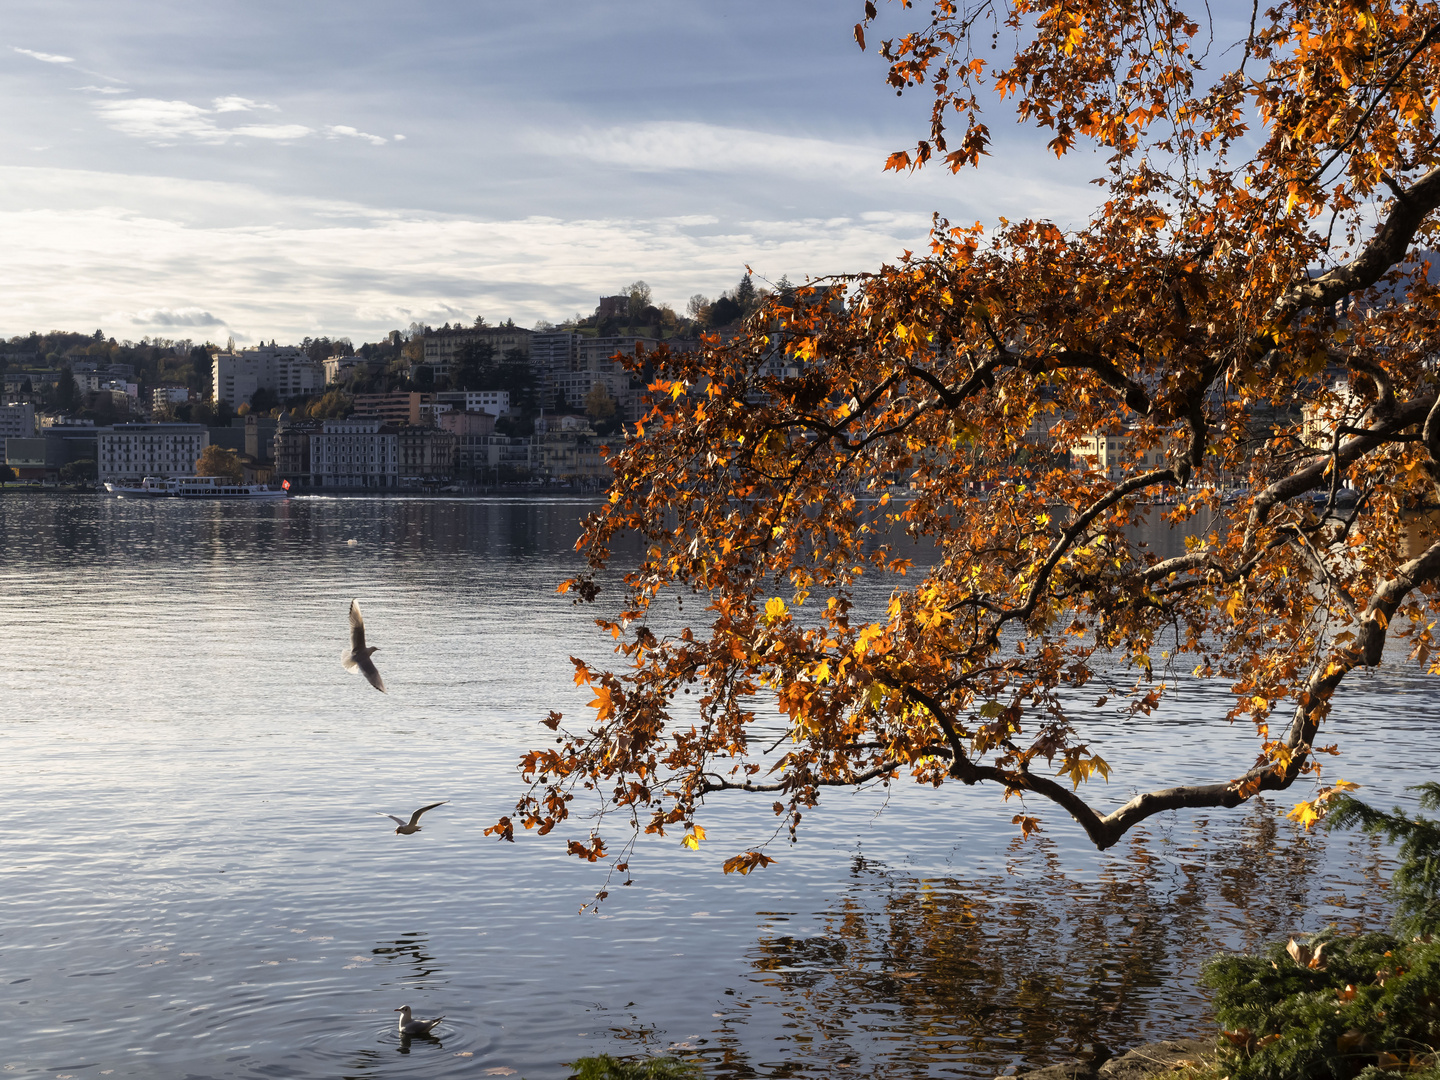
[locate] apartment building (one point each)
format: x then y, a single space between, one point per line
360 452
283 368
424 453
292 451
554 355
494 402
167 397
443 348
17 421
397 407
135 451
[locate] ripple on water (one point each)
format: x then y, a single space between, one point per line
197 883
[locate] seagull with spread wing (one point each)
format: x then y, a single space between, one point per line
413 825
357 657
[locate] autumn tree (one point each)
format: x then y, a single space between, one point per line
1249 305
218 461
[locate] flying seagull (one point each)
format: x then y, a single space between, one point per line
413 825
357 657
410 1026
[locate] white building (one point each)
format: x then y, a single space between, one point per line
494 402
164 397
135 451
360 452
17 421
283 369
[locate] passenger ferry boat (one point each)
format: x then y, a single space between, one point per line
198 487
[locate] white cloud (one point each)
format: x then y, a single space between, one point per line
399 138
355 133
104 89
271 131
240 104
286 268
48 58
168 122
190 316
666 146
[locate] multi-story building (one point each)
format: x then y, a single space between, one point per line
494 402
443 347
167 397
570 455
17 421
554 355
424 454
396 407
29 382
472 432
359 452
135 451
342 368
595 363
1114 453
53 447
283 369
292 451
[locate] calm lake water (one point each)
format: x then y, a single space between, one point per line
194 881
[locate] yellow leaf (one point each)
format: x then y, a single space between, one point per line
775 609
603 706
1305 813
693 838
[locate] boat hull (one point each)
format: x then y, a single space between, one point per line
195 487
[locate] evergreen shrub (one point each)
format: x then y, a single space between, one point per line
1345 1008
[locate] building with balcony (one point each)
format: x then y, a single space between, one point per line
494 402
292 451
425 454
17 420
444 348
359 452
135 451
283 368
163 398
396 407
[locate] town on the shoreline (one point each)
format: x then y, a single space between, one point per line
461 407
476 405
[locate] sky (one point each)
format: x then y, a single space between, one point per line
275 170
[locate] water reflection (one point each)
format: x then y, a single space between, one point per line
187 658
1032 965
411 949
432 1041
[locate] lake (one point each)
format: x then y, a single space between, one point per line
195 880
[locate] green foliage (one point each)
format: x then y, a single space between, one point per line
605 1067
1369 1004
81 471
1416 884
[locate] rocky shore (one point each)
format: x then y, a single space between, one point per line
1137 1064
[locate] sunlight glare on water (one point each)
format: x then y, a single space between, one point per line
196 881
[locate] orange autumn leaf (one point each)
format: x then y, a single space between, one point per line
1244 335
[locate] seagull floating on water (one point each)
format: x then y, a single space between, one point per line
413 825
357 657
410 1026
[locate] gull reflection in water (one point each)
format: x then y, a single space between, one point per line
423 1040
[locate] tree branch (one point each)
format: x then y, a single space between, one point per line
1384 250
